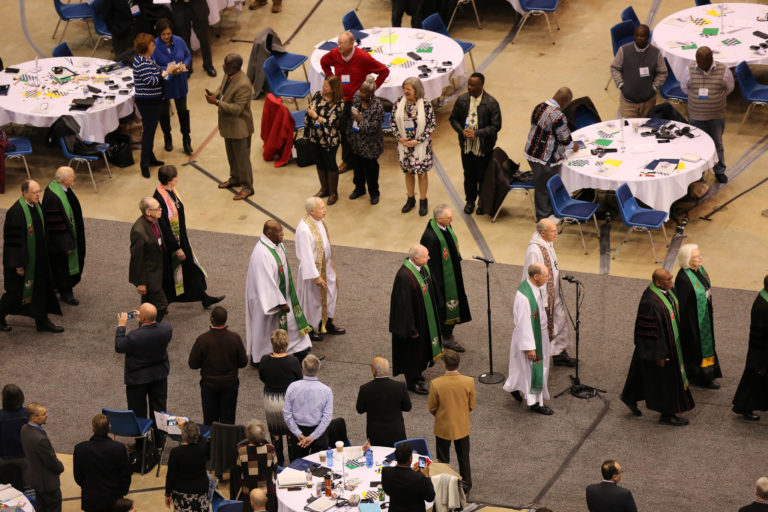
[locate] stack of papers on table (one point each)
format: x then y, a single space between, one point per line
353 452
321 504
290 477
8 493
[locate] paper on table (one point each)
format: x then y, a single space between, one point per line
9 493
289 477
390 38
713 12
680 166
613 162
322 504
710 31
369 507
398 60
641 148
353 452
690 157
603 142
691 46
677 22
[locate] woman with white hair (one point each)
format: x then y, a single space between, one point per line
695 324
413 121
256 466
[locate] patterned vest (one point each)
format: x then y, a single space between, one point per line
713 107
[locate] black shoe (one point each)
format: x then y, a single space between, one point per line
209 301
423 206
751 416
469 207
419 389
331 328
210 70
409 204
320 358
672 419
450 344
187 142
4 327
721 177
47 325
480 211
517 396
563 359
156 162
315 336
168 141
355 194
706 385
71 300
375 199
542 409
145 172
632 407
255 365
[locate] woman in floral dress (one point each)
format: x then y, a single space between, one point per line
322 125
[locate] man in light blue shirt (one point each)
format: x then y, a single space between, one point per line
308 409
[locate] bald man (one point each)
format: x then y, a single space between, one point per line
414 320
384 400
258 498
657 372
148 257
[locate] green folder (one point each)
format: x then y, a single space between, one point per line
710 31
603 142
690 47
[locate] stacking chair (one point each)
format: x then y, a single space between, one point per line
298 119
418 444
629 14
99 25
219 502
621 34
539 8
458 5
21 148
638 218
703 2
87 159
279 85
69 12
62 50
126 424
434 23
671 89
351 21
386 123
753 92
286 60
525 186
230 506
569 209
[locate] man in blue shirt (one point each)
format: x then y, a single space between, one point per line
308 409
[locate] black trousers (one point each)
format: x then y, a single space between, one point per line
150 115
165 108
346 148
219 404
400 7
462 453
541 175
325 157
474 171
193 15
366 172
155 394
157 298
48 501
296 452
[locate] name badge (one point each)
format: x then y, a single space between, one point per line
135 11
355 127
160 241
466 122
345 79
409 125
644 72
703 92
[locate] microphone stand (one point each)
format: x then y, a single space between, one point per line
491 377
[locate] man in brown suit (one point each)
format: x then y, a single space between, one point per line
233 99
145 270
451 399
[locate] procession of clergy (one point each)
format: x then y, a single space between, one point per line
44 253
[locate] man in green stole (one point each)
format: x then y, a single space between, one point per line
28 287
445 268
657 371
752 393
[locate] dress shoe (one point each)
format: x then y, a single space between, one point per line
315 336
419 389
469 207
47 325
375 199
712 385
145 172
542 409
355 194
423 207
243 194
323 192
256 4
332 198
409 204
4 327
71 300
255 365
480 211
672 419
210 70
517 396
226 184
344 167
331 328
320 358
277 7
209 301
721 177
751 416
450 344
156 162
168 141
563 359
632 407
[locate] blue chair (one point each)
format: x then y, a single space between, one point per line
525 186
638 218
671 89
434 23
418 444
584 116
629 14
230 506
298 118
351 21
99 25
286 60
279 85
219 502
102 148
703 2
126 424
69 12
539 8
386 123
621 34
753 92
21 148
62 50
569 209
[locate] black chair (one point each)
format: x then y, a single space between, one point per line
11 475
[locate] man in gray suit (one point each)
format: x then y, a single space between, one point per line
44 466
145 270
233 100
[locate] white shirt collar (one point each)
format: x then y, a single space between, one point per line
415 265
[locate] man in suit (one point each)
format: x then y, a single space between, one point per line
407 489
451 399
761 497
146 362
607 496
233 100
101 468
384 400
44 466
148 255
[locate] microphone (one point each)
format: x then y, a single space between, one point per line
487 260
571 279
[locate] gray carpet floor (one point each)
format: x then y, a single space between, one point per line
518 457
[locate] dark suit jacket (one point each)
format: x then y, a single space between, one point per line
755 506
146 266
488 120
407 489
384 400
44 466
100 466
146 352
609 497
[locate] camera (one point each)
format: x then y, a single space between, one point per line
132 314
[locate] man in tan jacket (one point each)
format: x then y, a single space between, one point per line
233 99
451 399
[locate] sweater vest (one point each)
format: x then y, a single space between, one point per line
712 107
636 88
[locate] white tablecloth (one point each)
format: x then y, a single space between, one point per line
738 22
36 102
444 49
658 191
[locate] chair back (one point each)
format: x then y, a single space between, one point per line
351 21
418 444
629 14
59 8
62 50
67 154
11 475
275 77
434 23
558 195
237 506
99 23
122 422
224 439
703 2
747 81
298 118
627 203
621 34
584 116
549 5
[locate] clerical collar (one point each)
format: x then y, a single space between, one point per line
418 267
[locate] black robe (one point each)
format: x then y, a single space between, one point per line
15 255
660 387
752 393
432 243
194 279
408 317
61 237
690 340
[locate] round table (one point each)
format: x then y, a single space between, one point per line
401 66
687 26
38 100
659 190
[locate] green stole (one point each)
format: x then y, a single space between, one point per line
449 279
672 316
537 367
29 268
298 314
72 258
764 294
702 314
437 349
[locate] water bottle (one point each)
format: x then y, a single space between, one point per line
369 458
329 456
309 479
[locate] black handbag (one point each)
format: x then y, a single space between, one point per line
119 152
305 155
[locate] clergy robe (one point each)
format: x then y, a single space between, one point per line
63 235
690 340
522 340
436 261
262 298
561 338
752 393
408 317
310 295
15 254
660 387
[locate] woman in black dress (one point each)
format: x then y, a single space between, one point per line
188 279
186 484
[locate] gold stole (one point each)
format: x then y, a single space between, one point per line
320 264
